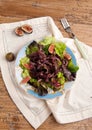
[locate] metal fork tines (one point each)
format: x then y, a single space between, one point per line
65 23
67 27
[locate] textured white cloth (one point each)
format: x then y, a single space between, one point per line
74 105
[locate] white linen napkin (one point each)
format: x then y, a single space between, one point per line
74 105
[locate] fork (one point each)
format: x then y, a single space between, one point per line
78 44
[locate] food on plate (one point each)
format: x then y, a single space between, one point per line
19 31
10 56
26 28
47 66
67 56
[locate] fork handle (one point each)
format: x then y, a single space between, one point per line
78 44
81 49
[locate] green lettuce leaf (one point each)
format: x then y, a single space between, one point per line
61 78
60 48
31 50
25 73
48 40
72 67
24 60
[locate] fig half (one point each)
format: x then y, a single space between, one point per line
27 28
19 31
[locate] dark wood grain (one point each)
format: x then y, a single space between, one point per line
79 15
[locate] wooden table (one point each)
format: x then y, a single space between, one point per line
79 15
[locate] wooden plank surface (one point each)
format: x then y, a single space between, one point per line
79 15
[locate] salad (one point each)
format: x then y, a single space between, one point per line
47 66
